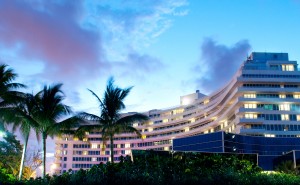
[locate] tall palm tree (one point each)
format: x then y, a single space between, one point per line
21 116
7 86
111 121
9 97
49 112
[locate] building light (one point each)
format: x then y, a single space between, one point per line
186 129
94 145
269 135
285 117
144 136
206 101
285 107
127 152
250 116
250 95
297 96
282 96
250 105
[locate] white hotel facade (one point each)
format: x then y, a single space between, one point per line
262 99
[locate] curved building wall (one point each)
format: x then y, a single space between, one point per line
262 99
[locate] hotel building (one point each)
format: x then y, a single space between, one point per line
261 99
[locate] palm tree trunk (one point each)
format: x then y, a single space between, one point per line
111 148
23 156
44 154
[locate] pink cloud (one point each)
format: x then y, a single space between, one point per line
51 33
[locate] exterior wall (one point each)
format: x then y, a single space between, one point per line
262 99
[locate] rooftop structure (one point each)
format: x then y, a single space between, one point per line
261 99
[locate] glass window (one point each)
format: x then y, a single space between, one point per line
285 117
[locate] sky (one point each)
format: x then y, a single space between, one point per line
163 48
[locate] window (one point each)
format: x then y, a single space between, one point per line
250 116
65 166
282 96
249 95
285 117
287 67
94 145
250 106
284 107
65 158
84 139
297 96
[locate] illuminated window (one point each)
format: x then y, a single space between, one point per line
94 159
269 135
206 102
127 152
285 117
144 136
84 152
150 129
135 124
298 117
225 124
297 96
166 148
250 116
282 96
288 67
84 139
127 145
249 95
187 129
94 145
250 106
165 120
75 139
284 107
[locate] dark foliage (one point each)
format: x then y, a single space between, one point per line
185 169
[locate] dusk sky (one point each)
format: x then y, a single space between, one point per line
164 48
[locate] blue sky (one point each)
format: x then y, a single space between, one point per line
164 48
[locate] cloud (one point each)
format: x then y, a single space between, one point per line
138 65
51 32
133 25
219 63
